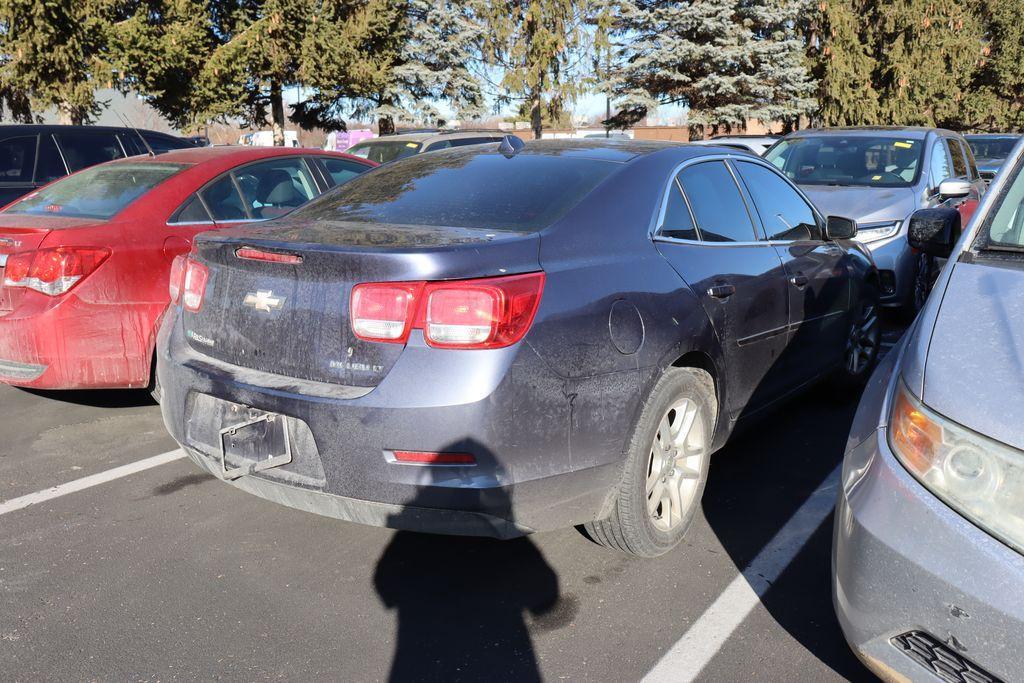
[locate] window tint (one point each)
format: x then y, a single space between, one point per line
164 143
97 192
959 162
131 144
717 203
784 213
340 171
223 199
465 189
678 223
192 211
85 149
17 159
942 164
49 166
434 146
273 188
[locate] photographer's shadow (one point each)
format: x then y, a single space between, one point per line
466 605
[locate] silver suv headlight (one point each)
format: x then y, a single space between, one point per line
873 232
980 478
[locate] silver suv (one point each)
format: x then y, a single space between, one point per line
394 147
879 177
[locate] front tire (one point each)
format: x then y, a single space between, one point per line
666 467
863 341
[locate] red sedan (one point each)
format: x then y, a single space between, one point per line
85 261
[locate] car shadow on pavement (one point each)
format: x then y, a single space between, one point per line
466 605
98 398
757 482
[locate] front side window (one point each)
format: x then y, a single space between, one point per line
854 160
17 159
85 149
273 188
784 213
717 203
98 192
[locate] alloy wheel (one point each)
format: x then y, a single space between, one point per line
675 464
862 345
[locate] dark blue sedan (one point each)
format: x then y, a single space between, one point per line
503 339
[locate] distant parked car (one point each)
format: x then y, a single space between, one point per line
388 148
500 339
990 150
84 261
342 140
265 138
879 177
758 144
928 555
34 155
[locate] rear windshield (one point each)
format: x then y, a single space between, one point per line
466 189
992 147
859 160
383 152
98 192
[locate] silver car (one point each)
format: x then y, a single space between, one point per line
928 553
879 176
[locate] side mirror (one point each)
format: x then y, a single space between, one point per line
954 189
839 228
935 231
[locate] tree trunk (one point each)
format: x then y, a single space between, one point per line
277 113
535 114
69 115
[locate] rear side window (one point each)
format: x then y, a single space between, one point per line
85 149
959 162
784 213
192 211
465 188
717 204
677 223
224 201
97 192
273 188
17 159
340 171
49 166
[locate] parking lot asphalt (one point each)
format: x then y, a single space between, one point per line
167 573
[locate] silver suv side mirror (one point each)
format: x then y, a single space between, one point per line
953 188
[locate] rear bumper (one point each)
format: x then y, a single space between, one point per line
906 563
503 406
70 344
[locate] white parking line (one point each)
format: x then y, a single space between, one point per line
88 482
687 658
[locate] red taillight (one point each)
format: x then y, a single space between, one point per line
53 271
430 458
484 313
177 278
194 286
251 254
384 311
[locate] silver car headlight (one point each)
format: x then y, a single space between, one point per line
874 232
980 478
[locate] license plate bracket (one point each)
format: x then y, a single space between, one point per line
254 442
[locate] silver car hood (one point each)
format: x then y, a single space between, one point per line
863 204
974 371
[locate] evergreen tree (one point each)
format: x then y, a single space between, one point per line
727 60
845 64
54 55
536 45
996 101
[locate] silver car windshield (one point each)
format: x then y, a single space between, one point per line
857 160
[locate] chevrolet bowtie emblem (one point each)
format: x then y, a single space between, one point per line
264 300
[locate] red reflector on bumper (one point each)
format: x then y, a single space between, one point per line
425 458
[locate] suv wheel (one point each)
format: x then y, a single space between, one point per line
666 467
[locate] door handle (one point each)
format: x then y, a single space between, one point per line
798 280
721 291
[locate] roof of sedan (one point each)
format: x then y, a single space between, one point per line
605 149
237 153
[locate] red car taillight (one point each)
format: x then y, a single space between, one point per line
194 285
177 278
53 271
484 313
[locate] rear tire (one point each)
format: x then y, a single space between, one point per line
666 467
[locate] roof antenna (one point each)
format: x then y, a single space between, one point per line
124 120
510 146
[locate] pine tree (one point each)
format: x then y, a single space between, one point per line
996 101
536 45
845 64
54 55
727 60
